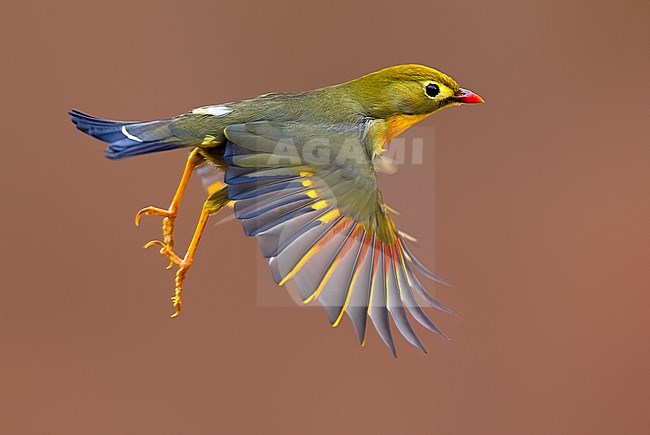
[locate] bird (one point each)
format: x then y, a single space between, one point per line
298 170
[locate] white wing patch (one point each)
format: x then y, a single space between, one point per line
129 135
212 110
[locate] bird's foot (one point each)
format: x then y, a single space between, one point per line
167 251
177 299
183 267
167 243
212 205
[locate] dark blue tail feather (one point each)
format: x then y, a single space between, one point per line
127 139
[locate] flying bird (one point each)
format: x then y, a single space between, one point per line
299 171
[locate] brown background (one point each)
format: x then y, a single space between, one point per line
541 223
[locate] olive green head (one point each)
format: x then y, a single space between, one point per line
408 90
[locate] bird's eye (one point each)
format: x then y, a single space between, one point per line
432 90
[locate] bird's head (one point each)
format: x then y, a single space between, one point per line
408 90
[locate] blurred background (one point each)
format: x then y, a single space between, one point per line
534 206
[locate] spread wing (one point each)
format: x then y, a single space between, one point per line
309 193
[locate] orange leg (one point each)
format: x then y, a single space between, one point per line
211 206
169 215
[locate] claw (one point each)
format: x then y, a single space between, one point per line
154 242
154 211
167 245
176 299
165 250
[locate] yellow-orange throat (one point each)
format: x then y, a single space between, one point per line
394 126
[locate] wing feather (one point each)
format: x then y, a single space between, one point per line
335 292
253 207
394 300
275 240
323 224
359 292
409 300
378 310
318 245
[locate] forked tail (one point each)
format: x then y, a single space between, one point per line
127 139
